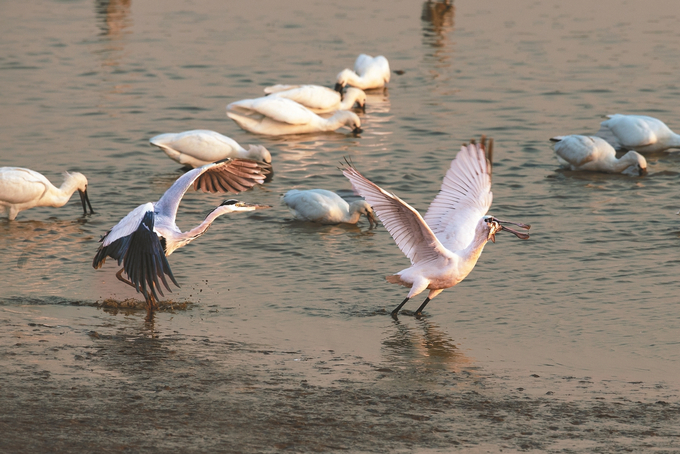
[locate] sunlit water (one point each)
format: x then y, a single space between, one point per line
592 294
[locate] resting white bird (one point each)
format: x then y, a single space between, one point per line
326 207
277 116
21 189
320 99
638 132
368 73
444 245
199 147
576 152
143 238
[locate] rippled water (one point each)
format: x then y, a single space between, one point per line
591 296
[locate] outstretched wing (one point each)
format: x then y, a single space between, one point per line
407 227
464 198
226 176
134 243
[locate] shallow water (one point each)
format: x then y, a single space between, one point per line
567 342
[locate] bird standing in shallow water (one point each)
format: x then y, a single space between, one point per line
638 132
148 234
444 245
326 207
21 189
576 152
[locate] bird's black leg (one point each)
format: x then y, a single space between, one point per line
419 312
396 311
120 277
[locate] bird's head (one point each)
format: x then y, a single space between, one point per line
362 207
232 205
349 120
78 180
496 225
259 153
638 164
358 95
343 79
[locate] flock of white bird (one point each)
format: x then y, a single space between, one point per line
443 245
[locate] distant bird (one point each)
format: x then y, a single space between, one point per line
199 147
277 116
326 207
638 132
576 152
21 189
444 245
143 238
320 99
368 73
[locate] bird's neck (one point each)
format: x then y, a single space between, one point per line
59 196
471 253
189 236
347 102
353 215
674 141
619 165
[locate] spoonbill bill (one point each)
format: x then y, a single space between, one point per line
638 132
446 243
21 189
369 72
576 152
326 207
148 234
276 116
199 147
320 99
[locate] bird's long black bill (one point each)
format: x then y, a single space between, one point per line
84 199
518 224
520 235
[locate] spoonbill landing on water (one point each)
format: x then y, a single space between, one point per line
276 116
326 207
444 245
199 147
320 99
148 234
576 152
21 189
638 132
369 72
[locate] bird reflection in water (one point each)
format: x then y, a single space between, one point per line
113 16
423 347
437 20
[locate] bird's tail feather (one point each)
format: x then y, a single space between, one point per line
396 279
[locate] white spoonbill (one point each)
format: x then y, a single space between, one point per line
199 147
444 245
143 238
369 72
320 99
277 116
576 152
638 132
21 189
326 207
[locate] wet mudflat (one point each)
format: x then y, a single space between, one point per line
280 338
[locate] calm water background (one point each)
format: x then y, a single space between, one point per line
592 294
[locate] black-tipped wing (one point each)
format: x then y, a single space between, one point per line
142 255
226 176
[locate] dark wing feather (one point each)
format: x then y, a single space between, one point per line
232 175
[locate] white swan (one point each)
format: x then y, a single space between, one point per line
320 99
21 189
638 132
199 147
446 243
576 152
326 207
276 116
368 73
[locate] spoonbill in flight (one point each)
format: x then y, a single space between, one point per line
148 234
444 245
21 189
